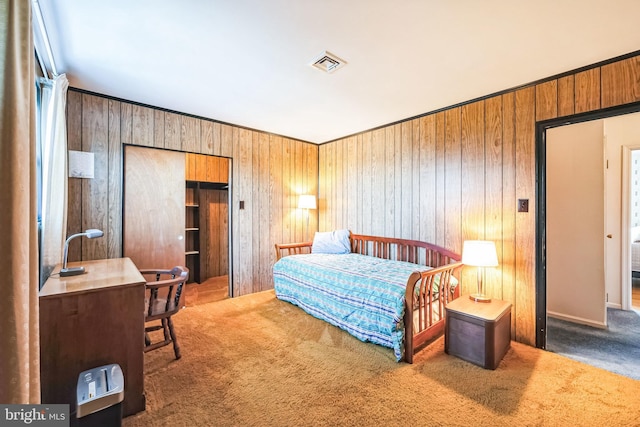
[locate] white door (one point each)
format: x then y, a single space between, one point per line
575 223
154 207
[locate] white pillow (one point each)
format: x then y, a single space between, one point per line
331 242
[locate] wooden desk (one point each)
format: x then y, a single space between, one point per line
478 332
91 320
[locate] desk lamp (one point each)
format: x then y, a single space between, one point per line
91 233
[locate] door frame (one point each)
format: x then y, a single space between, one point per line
230 225
541 200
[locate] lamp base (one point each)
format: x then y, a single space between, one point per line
479 298
73 271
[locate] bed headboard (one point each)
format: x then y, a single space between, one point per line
414 251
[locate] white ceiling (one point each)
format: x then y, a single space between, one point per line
246 62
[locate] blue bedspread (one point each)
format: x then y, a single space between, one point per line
361 294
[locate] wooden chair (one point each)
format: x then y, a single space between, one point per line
163 298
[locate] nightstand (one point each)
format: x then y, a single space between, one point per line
478 332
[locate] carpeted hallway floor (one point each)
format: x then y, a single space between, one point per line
258 361
616 349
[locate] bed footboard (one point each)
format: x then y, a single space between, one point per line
427 294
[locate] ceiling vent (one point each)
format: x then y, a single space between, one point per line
328 62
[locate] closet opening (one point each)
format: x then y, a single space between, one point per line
207 236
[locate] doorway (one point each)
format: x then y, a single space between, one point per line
613 345
541 206
207 241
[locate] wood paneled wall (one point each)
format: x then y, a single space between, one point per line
457 174
444 177
268 173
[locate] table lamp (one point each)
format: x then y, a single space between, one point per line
91 233
307 201
480 254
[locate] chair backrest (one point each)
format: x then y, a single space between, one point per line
164 290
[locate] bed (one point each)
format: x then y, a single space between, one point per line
388 291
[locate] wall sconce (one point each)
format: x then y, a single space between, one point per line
91 233
307 201
481 254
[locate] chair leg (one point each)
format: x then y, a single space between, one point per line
169 337
176 347
165 330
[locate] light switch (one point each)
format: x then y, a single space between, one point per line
523 205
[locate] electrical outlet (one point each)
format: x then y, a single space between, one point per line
523 205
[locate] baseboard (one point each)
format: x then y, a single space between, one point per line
614 305
575 319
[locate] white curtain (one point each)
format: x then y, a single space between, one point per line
53 140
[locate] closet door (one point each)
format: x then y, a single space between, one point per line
154 215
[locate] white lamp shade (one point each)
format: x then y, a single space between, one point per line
479 253
307 201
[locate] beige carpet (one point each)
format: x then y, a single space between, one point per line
257 361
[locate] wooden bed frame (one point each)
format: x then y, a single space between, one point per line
420 323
